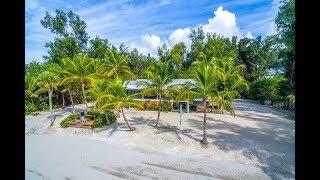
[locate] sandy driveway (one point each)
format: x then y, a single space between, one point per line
256 144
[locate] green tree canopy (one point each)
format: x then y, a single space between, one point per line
66 44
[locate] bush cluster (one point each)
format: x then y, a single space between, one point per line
29 108
100 118
153 106
268 89
72 117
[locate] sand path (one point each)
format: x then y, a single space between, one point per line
256 144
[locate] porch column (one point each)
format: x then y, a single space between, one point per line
171 103
187 106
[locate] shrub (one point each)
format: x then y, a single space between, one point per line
29 108
111 116
153 106
141 106
56 106
35 113
101 119
72 117
43 106
92 114
268 89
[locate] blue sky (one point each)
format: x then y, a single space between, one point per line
145 25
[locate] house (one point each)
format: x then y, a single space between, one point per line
136 86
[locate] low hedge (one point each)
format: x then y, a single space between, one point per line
153 106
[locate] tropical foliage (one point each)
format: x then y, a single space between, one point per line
75 71
117 98
159 77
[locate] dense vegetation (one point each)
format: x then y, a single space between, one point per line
79 69
99 118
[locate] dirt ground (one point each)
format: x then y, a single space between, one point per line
257 143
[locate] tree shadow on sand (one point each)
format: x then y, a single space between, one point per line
248 106
164 128
139 120
270 143
54 117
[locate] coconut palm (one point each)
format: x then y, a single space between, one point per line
65 85
69 89
98 91
159 77
81 70
48 81
117 98
180 93
116 64
205 86
230 83
31 87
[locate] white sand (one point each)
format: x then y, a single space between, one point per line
256 144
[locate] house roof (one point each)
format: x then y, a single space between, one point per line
137 84
181 81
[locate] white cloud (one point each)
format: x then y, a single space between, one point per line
143 50
272 29
149 44
249 35
153 41
223 23
180 35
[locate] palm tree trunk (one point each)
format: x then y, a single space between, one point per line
125 119
291 75
222 104
63 102
180 116
159 110
84 94
71 99
107 118
50 106
205 140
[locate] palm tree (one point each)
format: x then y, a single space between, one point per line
31 87
68 88
117 98
180 93
98 91
115 65
230 82
81 70
159 77
64 83
48 81
205 86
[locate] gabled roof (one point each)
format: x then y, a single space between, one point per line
181 81
137 84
